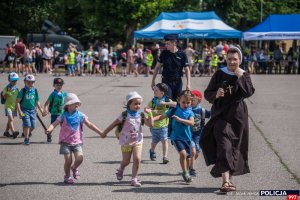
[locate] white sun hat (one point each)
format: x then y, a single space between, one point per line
13 76
133 95
29 77
71 98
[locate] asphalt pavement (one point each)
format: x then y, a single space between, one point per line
36 171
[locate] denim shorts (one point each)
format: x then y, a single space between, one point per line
10 112
69 148
159 134
29 118
183 145
195 142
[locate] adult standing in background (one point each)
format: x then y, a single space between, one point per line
225 137
173 62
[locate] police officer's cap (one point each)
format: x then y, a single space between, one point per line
58 81
170 37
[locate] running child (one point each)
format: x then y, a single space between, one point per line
131 136
181 119
159 130
27 101
200 115
71 135
55 103
8 98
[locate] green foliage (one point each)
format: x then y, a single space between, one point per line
115 20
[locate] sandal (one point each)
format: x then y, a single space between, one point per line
152 155
227 187
76 173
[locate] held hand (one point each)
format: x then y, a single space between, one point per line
103 135
48 131
147 110
152 85
176 118
44 114
188 87
21 115
220 93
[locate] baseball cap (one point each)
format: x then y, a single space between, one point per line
29 77
197 93
13 76
171 37
133 95
58 81
71 98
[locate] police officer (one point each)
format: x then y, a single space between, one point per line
173 62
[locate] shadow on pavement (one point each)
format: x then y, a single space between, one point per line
21 143
168 190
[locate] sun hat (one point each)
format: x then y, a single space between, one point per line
13 76
71 98
197 93
133 95
29 77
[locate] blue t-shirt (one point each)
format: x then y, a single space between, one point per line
199 119
181 131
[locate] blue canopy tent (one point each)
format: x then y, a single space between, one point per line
276 27
188 25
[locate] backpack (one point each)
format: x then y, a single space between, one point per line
120 126
23 94
2 97
3 100
173 110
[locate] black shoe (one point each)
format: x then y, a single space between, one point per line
15 134
49 138
193 172
23 135
6 134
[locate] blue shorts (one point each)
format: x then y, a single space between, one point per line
68 148
10 112
159 134
29 118
195 142
183 145
53 118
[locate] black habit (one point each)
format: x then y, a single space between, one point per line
224 140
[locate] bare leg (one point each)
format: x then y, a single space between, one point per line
137 155
68 163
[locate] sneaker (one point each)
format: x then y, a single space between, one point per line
136 183
76 173
68 180
192 172
15 134
49 138
6 134
152 155
186 177
165 160
119 174
26 141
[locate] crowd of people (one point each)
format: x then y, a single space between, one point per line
172 113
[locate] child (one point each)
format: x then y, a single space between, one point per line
131 136
96 63
27 101
9 94
123 62
71 134
159 131
200 115
181 118
149 61
55 103
56 63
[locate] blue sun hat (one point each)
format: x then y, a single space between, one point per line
13 76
